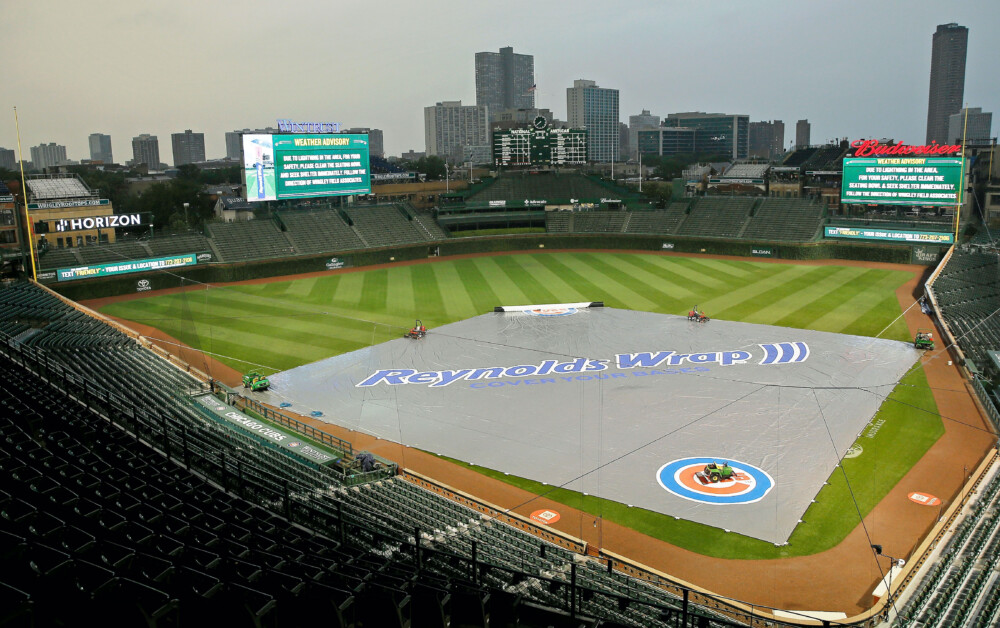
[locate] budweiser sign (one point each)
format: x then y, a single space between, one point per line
872 148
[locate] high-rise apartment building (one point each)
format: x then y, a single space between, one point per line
722 134
8 160
644 121
146 150
233 145
505 80
450 126
47 155
100 148
767 139
802 132
595 109
375 141
977 129
947 79
188 147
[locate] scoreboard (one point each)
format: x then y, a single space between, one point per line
539 146
285 166
902 180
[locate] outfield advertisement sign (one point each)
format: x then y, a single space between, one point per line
901 180
277 167
129 266
891 235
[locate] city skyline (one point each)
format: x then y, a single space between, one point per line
841 68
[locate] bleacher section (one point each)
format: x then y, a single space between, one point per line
962 588
59 258
319 231
116 252
384 225
717 216
554 188
968 293
558 221
254 239
660 221
150 512
599 221
178 244
785 220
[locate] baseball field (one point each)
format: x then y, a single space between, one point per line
280 324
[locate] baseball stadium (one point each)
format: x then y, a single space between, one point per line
542 401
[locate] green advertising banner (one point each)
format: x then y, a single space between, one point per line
892 235
901 180
128 266
278 167
285 440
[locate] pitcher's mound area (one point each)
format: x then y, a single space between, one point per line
629 406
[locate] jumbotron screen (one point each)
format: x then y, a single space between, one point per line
539 146
901 180
277 167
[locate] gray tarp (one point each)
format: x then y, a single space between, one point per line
790 399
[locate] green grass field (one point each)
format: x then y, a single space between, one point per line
281 325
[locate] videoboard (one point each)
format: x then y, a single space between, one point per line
539 146
284 166
901 180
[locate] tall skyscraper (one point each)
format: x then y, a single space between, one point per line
188 147
802 131
375 142
146 150
100 148
505 80
47 155
767 139
449 126
977 128
595 109
947 79
7 158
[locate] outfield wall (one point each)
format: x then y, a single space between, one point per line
242 271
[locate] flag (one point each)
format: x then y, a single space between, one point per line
532 88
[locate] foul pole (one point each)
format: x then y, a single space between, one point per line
24 199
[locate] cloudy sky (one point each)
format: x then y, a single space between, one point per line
852 68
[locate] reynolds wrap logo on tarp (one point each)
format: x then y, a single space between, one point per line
773 353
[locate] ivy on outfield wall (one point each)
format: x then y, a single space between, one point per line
241 271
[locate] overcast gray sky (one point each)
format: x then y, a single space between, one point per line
853 68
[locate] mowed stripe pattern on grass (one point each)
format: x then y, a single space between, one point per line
281 325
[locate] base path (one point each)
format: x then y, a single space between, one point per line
839 579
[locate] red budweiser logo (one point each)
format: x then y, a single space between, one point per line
866 148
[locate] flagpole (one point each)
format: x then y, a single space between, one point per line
24 199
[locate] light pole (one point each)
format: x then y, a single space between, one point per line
893 562
187 220
447 182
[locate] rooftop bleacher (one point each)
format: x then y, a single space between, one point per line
57 188
746 171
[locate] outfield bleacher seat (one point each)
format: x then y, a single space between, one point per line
717 216
384 225
788 220
319 231
178 244
250 240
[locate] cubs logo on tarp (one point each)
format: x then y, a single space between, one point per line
686 478
557 311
